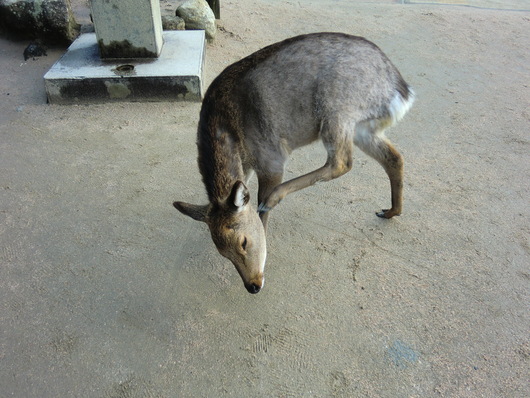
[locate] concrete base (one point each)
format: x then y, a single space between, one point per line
81 76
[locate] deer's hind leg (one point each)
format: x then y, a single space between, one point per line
370 138
337 140
266 184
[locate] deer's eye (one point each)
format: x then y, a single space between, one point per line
244 243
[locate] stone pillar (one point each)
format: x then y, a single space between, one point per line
128 28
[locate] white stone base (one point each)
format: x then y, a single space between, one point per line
81 76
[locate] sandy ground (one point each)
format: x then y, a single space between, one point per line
107 291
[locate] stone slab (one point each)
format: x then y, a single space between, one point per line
82 76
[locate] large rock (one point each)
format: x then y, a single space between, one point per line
198 15
173 23
51 21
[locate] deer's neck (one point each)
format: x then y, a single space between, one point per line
220 136
219 161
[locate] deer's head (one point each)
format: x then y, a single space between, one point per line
237 232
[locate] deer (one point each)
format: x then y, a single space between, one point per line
333 87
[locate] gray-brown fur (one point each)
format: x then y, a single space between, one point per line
334 87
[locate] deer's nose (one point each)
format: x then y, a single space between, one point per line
253 288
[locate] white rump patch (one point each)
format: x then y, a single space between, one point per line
398 106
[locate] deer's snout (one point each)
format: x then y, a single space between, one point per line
253 288
255 285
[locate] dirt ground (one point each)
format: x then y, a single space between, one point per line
107 291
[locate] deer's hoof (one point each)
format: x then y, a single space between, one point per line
388 213
262 208
269 203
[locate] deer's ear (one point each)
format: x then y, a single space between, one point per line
239 196
196 212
